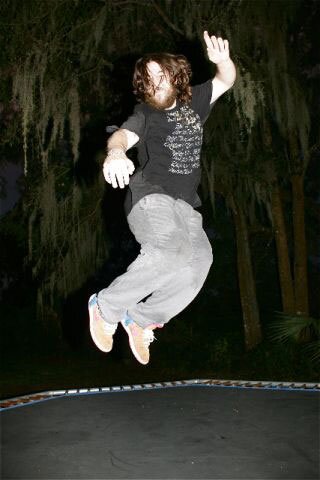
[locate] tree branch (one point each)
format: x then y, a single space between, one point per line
166 19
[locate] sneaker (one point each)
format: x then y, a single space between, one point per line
139 339
101 331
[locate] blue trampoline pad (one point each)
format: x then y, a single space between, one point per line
195 432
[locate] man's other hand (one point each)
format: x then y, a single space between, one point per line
116 169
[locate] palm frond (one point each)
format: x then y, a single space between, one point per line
312 350
293 327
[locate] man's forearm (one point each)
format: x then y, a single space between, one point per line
226 72
118 140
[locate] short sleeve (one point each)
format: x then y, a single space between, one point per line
136 123
201 96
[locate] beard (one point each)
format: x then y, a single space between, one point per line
165 101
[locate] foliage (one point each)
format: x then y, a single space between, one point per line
300 329
273 115
67 241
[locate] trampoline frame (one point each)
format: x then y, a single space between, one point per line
32 398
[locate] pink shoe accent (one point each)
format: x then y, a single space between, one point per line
153 326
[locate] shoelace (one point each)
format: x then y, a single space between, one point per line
148 337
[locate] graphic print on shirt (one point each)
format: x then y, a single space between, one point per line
185 140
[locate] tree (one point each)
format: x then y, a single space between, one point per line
271 110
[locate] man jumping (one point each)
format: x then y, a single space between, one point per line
175 255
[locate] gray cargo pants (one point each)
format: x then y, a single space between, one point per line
173 263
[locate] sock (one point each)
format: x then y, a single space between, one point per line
127 320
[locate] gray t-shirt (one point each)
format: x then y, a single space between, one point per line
169 148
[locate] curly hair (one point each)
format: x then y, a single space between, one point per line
176 67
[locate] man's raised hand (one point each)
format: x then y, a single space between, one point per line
117 167
217 48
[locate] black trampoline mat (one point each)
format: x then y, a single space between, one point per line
174 433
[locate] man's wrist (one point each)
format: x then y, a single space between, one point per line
223 63
118 141
116 153
116 149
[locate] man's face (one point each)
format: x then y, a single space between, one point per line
164 94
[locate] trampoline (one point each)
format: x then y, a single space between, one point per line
208 429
